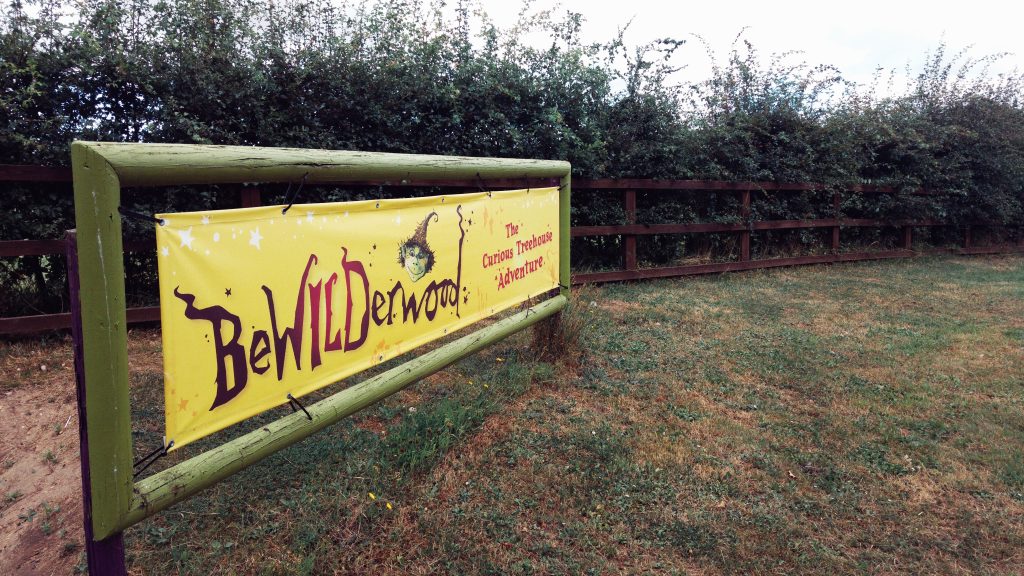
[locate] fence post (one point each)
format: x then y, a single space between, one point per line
102 556
251 197
629 240
967 237
908 238
836 203
745 235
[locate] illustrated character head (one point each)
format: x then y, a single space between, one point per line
415 254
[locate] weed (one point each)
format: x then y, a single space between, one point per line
27 516
827 420
49 457
877 457
1012 474
48 510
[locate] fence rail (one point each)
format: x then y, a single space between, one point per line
630 231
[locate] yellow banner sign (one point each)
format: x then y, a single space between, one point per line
257 305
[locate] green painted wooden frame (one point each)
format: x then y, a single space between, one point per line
101 169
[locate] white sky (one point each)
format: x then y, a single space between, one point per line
855 36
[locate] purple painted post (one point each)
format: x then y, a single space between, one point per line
104 557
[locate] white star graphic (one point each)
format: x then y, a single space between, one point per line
186 238
165 251
206 219
309 216
216 236
254 238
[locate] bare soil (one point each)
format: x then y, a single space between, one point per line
41 529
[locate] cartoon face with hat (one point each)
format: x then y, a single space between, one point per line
415 254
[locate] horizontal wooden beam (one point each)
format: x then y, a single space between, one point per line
181 164
728 186
991 250
28 173
16 248
696 269
648 229
183 480
47 322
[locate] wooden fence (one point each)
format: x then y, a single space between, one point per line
630 230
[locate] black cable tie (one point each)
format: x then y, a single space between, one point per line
526 181
147 456
480 184
293 401
139 216
289 196
159 452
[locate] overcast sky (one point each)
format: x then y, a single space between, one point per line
855 36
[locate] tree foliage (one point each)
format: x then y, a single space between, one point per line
412 76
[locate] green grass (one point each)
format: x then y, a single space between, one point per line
863 418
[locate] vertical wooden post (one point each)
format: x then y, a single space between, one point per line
548 338
103 556
967 237
251 197
104 353
564 233
836 204
745 218
629 240
908 238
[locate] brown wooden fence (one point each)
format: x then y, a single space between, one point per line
630 230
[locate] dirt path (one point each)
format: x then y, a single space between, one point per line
40 485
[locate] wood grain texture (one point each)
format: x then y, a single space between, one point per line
180 164
104 336
179 482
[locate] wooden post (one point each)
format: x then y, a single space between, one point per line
908 238
104 352
629 243
967 237
251 198
836 204
100 170
103 556
745 235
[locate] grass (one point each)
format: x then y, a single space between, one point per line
862 418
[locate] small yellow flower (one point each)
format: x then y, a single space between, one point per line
470 382
500 359
389 506
372 497
486 386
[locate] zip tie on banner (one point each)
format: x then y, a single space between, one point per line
480 185
293 402
289 196
151 457
139 216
